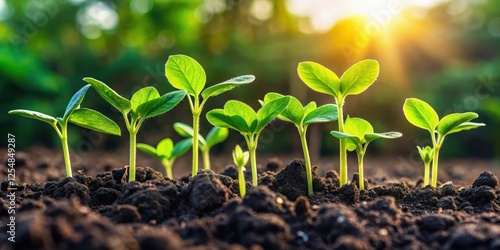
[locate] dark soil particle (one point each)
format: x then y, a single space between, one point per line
206 212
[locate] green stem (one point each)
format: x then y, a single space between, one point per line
133 143
252 148
196 130
435 166
64 142
206 159
307 159
167 164
360 170
426 173
343 148
241 181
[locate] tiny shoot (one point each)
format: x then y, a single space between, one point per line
240 159
422 115
354 81
83 117
215 136
185 73
302 117
242 118
166 152
358 133
426 153
144 104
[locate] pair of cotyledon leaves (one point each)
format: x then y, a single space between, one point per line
359 132
145 103
215 135
423 116
165 149
354 81
83 117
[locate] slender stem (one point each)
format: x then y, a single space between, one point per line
307 159
241 181
133 143
426 173
343 148
64 142
361 181
167 164
252 148
196 121
435 160
206 158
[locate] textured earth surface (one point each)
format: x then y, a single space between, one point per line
104 211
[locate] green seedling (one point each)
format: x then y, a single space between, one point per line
82 117
241 117
240 159
354 81
166 152
423 116
185 73
144 104
358 133
302 117
215 136
426 154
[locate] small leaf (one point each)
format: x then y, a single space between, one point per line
216 135
142 96
466 126
451 121
164 148
75 101
186 131
148 150
34 115
185 73
270 111
352 141
359 77
358 127
217 118
426 154
319 78
91 119
293 113
420 114
161 105
387 135
182 147
240 157
234 108
325 113
227 85
117 101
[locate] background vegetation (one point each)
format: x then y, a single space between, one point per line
446 53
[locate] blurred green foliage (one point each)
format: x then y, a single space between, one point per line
442 55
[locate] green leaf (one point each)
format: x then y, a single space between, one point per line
234 108
113 98
426 153
227 85
161 105
319 78
240 157
352 141
293 113
217 118
358 127
34 115
359 77
387 135
148 150
216 135
325 113
451 121
270 111
164 148
466 126
181 147
309 108
186 131
91 119
142 96
75 101
420 114
185 73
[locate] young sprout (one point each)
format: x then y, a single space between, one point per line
82 117
354 81
358 133
215 136
241 117
166 152
240 159
426 155
302 117
185 73
144 104
423 116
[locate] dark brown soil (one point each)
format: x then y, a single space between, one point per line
206 212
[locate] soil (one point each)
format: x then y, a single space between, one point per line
104 211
